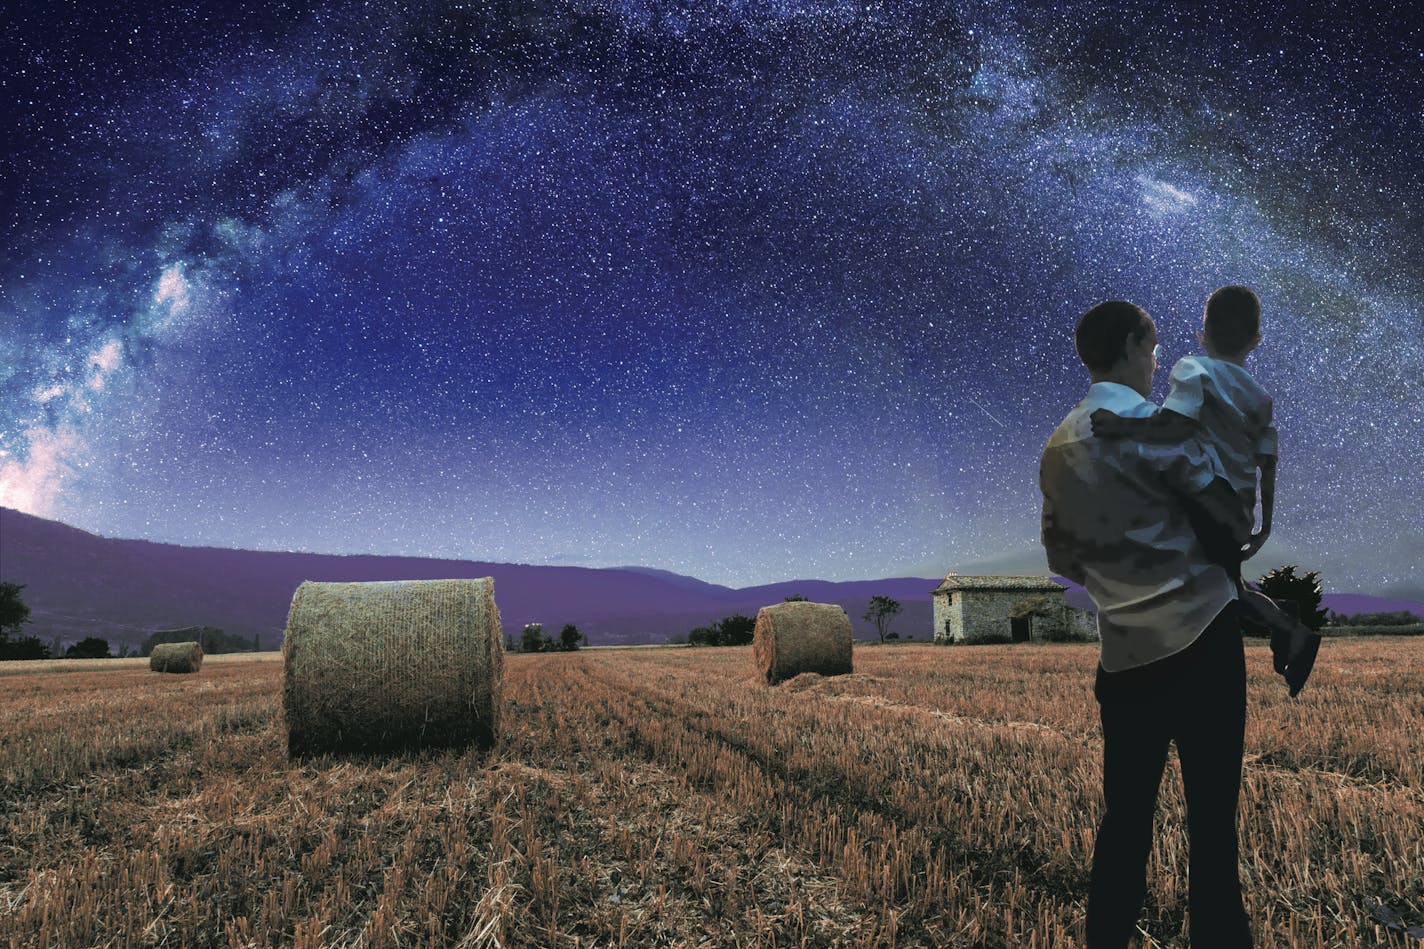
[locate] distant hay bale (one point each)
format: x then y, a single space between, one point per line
796 637
176 657
393 664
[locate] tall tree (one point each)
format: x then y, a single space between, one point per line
533 639
735 630
13 611
13 616
882 610
90 647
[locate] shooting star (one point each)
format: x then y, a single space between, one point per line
988 413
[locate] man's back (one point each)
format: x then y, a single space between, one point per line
1115 520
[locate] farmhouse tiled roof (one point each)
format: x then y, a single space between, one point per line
957 581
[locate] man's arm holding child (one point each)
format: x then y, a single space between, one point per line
1218 519
1163 427
1212 507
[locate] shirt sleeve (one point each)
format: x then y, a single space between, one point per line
1187 388
1058 544
1188 467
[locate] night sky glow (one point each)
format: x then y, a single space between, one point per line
748 291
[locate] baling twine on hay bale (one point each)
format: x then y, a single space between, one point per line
392 664
796 637
176 657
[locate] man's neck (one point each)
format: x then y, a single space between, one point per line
1115 377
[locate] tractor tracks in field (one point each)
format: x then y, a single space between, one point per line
692 703
830 786
1279 764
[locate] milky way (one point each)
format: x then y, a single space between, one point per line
747 291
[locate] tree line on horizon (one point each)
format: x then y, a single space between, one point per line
14 614
1282 583
739 629
533 639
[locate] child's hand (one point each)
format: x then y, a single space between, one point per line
1254 545
1106 424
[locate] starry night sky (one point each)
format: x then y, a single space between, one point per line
748 291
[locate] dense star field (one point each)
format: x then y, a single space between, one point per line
749 291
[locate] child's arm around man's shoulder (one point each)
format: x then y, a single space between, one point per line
1161 427
1175 422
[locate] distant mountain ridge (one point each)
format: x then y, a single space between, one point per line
80 584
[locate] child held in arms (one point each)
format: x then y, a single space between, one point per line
1214 399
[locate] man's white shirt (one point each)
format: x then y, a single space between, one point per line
1112 521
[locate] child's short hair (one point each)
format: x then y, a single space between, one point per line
1233 318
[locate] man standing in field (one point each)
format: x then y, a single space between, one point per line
1138 526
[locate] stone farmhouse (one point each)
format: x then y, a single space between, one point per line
1025 609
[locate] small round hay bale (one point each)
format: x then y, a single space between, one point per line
796 637
176 657
392 664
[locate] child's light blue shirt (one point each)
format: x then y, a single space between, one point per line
1233 412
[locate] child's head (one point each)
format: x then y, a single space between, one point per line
1232 327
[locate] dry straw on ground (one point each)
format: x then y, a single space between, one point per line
392 664
796 637
176 657
658 797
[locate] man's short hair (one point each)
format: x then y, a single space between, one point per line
1103 332
1233 318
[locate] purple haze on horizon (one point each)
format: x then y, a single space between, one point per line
80 584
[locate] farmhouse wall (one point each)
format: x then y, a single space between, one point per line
986 613
1065 622
943 613
1083 624
961 614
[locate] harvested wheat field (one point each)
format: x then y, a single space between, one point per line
936 796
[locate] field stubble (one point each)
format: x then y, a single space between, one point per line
663 797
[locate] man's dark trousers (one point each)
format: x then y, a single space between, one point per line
1196 698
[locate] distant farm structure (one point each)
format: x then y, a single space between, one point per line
1007 609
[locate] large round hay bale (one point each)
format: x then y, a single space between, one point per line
176 657
372 666
796 637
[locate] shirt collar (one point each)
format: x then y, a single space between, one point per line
1110 395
